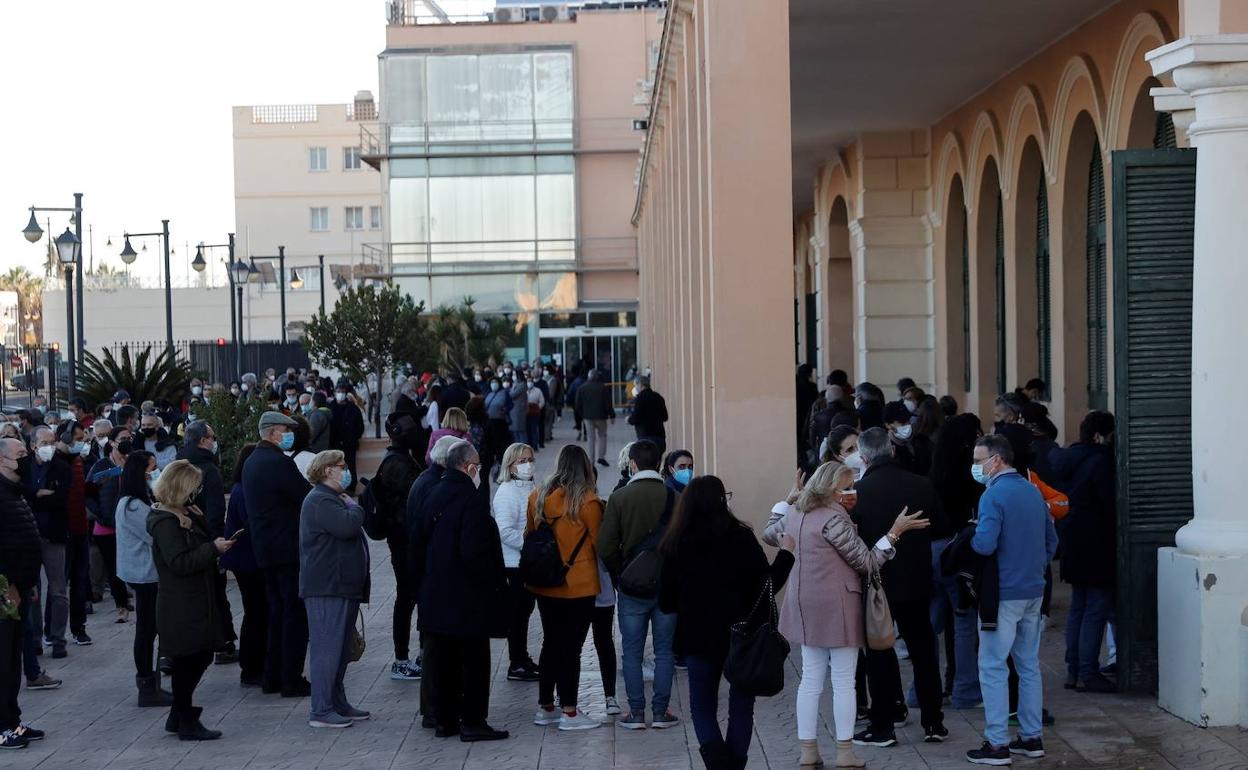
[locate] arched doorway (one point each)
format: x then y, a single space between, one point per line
1031 290
957 272
1097 291
988 334
839 283
1084 282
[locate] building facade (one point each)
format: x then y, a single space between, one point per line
1042 193
507 152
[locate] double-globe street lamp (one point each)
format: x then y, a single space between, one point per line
33 233
128 255
236 325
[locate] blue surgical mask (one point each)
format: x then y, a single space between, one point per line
344 480
978 473
151 477
287 442
903 432
683 476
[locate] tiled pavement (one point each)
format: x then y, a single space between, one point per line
93 723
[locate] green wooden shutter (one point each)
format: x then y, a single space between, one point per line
1098 387
812 329
999 272
1044 338
1154 211
966 307
1163 134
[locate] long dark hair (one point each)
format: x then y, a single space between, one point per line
702 511
930 417
955 445
134 476
240 461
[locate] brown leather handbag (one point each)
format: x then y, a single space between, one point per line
881 633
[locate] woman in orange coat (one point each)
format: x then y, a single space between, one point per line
569 503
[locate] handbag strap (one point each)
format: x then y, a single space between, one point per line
579 545
770 593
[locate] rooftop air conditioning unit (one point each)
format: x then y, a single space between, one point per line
508 15
555 13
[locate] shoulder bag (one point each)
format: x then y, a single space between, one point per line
881 633
757 652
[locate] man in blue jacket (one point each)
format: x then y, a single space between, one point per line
1014 524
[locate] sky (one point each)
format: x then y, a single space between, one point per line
128 102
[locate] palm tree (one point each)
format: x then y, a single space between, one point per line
29 289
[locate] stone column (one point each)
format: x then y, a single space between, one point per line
1203 582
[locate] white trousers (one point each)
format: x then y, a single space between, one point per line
816 661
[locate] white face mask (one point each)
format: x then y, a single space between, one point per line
524 471
196 390
911 405
476 478
340 397
45 453
854 461
103 441
903 432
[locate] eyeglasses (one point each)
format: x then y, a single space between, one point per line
728 495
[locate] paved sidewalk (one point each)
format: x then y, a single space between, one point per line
92 721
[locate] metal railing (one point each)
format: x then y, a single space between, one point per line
216 362
409 13
284 113
586 255
500 137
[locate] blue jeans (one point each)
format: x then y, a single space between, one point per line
1090 609
635 615
965 669
705 671
1017 635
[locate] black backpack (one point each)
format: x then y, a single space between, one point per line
642 565
374 523
540 562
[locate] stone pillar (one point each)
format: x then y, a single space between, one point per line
1202 589
892 261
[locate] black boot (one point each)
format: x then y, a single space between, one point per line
191 729
715 755
150 694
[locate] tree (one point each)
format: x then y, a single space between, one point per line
29 289
371 330
143 377
465 338
236 422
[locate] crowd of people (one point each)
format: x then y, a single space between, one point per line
909 497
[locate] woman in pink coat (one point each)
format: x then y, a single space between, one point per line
822 608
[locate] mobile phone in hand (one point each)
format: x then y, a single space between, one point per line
232 538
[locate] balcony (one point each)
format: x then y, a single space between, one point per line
562 136
466 258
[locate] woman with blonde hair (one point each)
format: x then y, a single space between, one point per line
333 581
455 424
822 610
188 613
510 508
568 503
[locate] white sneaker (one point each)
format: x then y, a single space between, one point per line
579 721
544 717
613 707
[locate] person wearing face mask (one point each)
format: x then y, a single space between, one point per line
200 449
320 421
235 390
678 469
498 413
78 412
912 451
1086 472
885 488
390 488
459 616
71 446
99 441
517 420
290 399
103 491
649 415
346 427
1007 421
333 581
1015 528
515 484
274 489
156 439
911 397
47 490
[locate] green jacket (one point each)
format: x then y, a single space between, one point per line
188 614
632 512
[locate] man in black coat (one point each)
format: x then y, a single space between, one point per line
20 561
463 600
391 485
346 428
417 548
649 414
199 448
883 492
455 394
1086 472
274 489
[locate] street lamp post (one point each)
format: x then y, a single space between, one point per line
33 233
281 281
128 255
68 250
239 273
320 258
199 264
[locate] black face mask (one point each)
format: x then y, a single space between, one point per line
149 432
124 446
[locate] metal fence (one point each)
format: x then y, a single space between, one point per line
30 371
216 361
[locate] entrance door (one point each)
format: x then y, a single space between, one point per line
1154 208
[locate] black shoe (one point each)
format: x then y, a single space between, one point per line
429 722
873 737
191 729
270 689
446 731
174 719
989 755
523 672
483 732
11 740
164 665
81 639
935 734
59 651
1097 683
300 689
604 463
225 657
150 694
29 733
1028 748
251 681
901 717
1070 683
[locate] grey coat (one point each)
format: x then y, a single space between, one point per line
318 429
333 555
519 406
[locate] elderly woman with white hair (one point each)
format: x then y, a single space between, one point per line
333 581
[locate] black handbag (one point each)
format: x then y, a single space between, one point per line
757 653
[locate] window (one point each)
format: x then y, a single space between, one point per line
320 219
999 273
1044 339
374 217
1098 333
966 307
350 158
353 218
318 159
